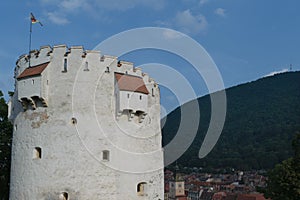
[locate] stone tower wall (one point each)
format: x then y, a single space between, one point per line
72 143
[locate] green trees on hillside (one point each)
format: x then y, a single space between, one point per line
5 149
261 120
284 179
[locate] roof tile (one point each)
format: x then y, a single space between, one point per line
131 83
33 71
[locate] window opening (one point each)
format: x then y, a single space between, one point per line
65 65
86 67
107 70
37 153
102 59
64 196
105 155
141 188
74 120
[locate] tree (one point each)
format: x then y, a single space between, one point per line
5 149
284 180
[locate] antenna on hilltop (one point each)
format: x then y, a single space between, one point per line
291 67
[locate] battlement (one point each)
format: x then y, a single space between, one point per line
54 66
76 106
48 54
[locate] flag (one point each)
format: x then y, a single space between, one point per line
34 20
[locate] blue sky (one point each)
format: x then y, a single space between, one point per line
246 39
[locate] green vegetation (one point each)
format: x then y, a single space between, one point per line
284 180
262 118
5 149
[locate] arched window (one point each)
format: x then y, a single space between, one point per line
74 120
64 196
141 188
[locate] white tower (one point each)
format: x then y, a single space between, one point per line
86 126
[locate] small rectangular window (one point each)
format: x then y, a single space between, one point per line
107 70
86 67
64 196
65 65
141 188
102 59
105 155
37 153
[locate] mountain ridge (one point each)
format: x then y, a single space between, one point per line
262 117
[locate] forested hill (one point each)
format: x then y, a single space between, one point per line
262 118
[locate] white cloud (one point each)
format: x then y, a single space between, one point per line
47 2
123 5
189 23
277 72
72 4
170 34
56 8
221 12
201 2
57 18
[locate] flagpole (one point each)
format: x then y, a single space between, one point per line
32 20
30 32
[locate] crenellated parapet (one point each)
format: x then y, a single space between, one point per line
76 107
36 73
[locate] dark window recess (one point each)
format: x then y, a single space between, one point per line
74 120
140 188
65 65
102 59
64 196
37 153
107 70
105 155
86 67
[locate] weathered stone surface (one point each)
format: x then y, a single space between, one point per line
73 121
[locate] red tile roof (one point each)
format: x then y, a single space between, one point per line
131 83
251 197
33 71
181 198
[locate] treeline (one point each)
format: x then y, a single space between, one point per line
262 118
5 149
